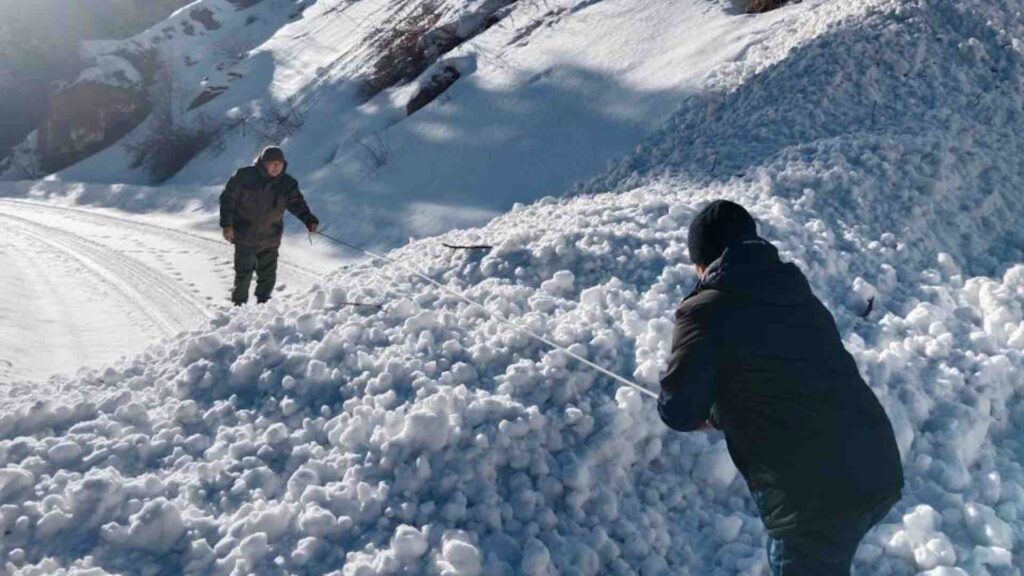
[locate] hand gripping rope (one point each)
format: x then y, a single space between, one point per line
493 314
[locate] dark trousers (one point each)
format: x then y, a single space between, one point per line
262 261
827 552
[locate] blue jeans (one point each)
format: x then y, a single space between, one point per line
827 552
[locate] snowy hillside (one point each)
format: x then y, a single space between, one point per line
877 144
228 76
360 94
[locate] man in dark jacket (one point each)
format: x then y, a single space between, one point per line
757 355
252 218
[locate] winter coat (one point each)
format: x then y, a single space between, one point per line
756 352
254 204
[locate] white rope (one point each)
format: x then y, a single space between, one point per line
496 315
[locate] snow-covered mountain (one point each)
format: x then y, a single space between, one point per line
39 46
400 118
877 144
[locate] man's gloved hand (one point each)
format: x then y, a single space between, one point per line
229 233
312 226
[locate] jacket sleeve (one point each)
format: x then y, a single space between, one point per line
298 207
228 202
688 385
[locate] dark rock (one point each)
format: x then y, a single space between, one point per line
758 6
86 118
205 17
243 4
208 94
434 87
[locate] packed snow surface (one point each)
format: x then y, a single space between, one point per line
876 142
85 287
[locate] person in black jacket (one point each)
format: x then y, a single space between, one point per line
252 218
757 355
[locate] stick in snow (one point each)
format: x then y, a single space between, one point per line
871 306
360 304
496 315
470 247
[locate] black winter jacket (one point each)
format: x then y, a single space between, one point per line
759 354
254 204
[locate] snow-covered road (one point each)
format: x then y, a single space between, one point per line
83 287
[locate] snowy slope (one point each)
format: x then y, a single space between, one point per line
550 92
84 288
308 437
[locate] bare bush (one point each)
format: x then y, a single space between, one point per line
283 120
168 147
23 162
170 142
375 152
405 49
24 167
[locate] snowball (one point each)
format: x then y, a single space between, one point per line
156 528
937 551
629 400
13 480
52 522
920 541
408 543
536 559
727 528
562 282
306 324
275 434
986 527
317 522
338 296
425 320
715 467
273 521
922 518
461 555
425 428
254 547
993 556
64 453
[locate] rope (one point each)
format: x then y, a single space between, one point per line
493 314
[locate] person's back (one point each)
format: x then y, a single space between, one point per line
756 351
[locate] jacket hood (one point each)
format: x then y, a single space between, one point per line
258 163
752 268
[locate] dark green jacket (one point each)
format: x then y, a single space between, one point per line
802 426
254 204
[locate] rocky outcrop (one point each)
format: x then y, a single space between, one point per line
103 105
243 4
39 45
417 39
436 85
757 6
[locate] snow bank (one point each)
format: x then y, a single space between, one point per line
310 437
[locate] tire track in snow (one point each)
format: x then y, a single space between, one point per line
197 241
159 298
34 278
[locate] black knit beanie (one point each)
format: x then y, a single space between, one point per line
272 154
717 225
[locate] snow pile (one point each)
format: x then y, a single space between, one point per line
309 436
